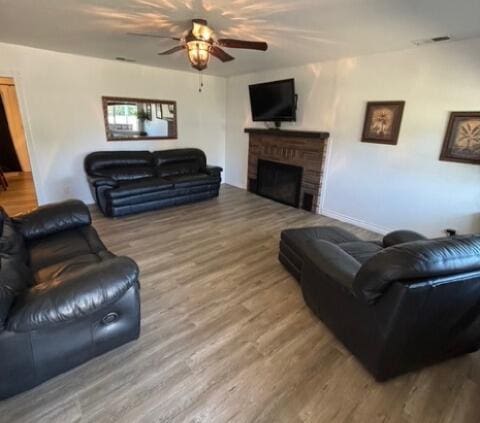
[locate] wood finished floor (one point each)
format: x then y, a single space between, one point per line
226 336
20 195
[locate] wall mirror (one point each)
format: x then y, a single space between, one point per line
139 119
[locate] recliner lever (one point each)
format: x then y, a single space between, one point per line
110 318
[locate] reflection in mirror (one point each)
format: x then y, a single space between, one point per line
139 119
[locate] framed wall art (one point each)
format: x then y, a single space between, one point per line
462 140
382 122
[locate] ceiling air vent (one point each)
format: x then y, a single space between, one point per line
124 59
433 40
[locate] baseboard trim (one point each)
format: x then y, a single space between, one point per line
341 217
357 222
234 184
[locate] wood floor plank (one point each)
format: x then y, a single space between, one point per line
20 195
226 336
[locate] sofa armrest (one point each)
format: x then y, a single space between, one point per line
63 300
214 170
52 218
98 181
400 237
325 258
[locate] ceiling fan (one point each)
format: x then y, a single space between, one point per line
200 43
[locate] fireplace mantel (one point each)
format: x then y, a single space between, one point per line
288 133
306 149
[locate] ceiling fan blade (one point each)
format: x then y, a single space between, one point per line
251 45
149 35
172 50
220 54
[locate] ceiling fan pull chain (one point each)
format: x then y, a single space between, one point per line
200 82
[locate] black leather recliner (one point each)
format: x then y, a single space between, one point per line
127 182
397 305
64 298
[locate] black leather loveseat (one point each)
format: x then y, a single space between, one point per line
398 304
63 297
126 182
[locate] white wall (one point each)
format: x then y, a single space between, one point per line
60 99
379 186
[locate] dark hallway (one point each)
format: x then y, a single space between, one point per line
8 157
17 190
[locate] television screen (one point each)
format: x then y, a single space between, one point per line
273 101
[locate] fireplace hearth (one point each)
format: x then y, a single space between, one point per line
280 182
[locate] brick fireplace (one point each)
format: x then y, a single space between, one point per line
299 154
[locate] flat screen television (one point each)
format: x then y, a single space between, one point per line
274 101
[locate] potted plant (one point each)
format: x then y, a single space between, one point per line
142 116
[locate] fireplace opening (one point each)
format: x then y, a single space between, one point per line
280 182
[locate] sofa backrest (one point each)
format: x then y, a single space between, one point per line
182 161
120 165
414 262
15 275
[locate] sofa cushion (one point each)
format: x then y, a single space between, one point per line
100 160
131 173
361 250
328 259
63 246
166 196
139 187
297 238
66 268
186 167
184 161
183 181
52 218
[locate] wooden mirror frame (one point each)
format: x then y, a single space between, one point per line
172 124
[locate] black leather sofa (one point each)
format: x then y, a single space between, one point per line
126 182
398 304
64 298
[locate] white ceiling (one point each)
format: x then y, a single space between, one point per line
298 31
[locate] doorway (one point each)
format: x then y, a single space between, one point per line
17 189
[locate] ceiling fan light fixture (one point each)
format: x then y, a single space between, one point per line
198 54
201 32
200 43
